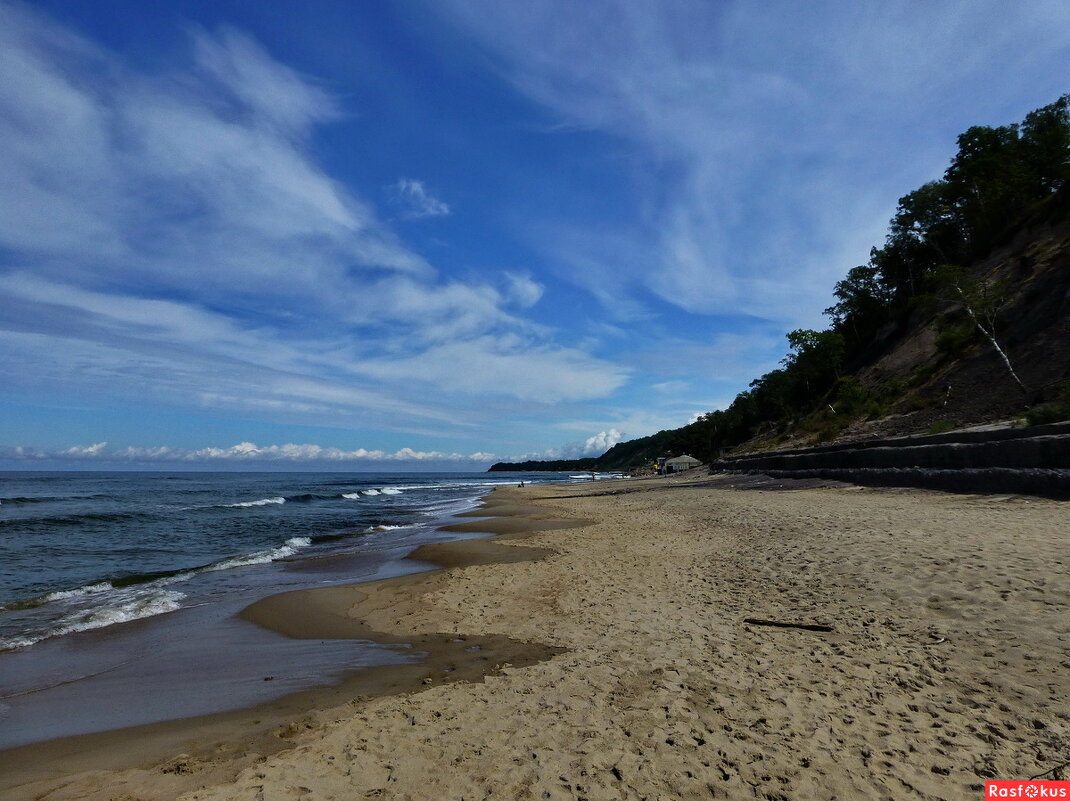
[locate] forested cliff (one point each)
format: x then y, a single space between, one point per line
961 316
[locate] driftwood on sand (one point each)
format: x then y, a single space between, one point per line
783 624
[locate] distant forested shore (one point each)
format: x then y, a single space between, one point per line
557 466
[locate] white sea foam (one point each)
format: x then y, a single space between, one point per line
90 589
370 529
459 485
289 548
121 607
391 491
142 604
99 605
370 492
261 502
352 496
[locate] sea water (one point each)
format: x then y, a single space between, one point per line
119 592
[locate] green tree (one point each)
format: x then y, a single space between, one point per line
989 181
1045 143
814 362
862 302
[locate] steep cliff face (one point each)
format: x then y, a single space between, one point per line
943 373
933 371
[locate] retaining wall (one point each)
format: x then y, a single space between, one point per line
1032 460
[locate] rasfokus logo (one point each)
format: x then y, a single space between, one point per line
1029 789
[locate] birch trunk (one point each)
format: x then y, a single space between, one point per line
990 336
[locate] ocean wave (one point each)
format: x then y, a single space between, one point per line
105 603
457 485
261 502
75 519
18 499
122 607
364 493
161 578
89 589
289 548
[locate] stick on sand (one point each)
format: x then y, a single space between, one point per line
783 624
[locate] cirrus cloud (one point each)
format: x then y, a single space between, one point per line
170 237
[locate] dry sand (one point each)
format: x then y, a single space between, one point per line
634 674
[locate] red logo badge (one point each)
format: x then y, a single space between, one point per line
1027 789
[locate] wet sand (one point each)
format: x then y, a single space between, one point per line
619 663
163 760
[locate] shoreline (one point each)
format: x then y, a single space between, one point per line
246 735
944 666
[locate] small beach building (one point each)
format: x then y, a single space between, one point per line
679 464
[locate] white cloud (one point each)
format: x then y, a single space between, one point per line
601 442
505 365
522 290
727 356
85 451
273 94
594 445
173 239
416 201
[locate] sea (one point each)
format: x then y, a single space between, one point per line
120 591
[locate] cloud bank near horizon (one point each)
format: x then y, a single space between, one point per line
249 453
241 453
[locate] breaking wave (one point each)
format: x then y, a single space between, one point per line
121 607
261 502
105 603
289 548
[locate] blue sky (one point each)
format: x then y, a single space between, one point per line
436 234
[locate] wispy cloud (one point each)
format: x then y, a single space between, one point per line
273 95
730 357
770 143
504 366
171 237
415 201
522 290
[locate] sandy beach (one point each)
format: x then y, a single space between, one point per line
597 648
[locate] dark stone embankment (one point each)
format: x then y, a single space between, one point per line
1033 461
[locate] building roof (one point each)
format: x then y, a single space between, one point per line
683 460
